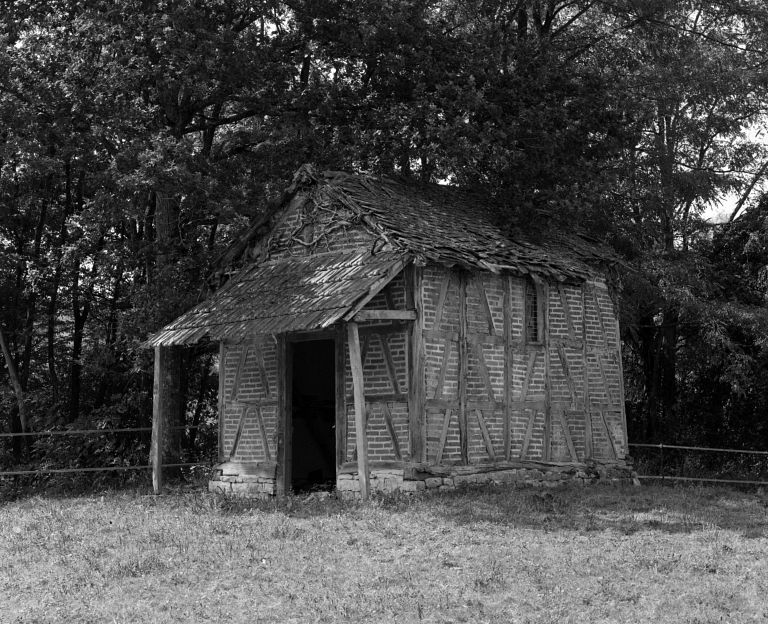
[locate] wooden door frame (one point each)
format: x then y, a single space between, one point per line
285 344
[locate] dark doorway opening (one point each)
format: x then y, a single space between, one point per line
313 400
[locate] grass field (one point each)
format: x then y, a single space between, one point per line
600 554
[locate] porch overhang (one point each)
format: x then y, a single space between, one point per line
294 293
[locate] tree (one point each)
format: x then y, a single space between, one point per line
138 137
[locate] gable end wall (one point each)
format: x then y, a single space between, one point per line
306 228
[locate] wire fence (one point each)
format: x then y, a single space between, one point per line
93 469
684 463
662 462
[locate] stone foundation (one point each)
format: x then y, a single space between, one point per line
384 481
419 479
258 481
243 479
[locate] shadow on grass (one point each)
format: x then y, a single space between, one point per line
625 510
601 508
20 488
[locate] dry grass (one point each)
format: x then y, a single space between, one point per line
592 555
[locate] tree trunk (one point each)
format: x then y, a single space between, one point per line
53 376
31 307
18 388
650 353
668 372
75 366
110 339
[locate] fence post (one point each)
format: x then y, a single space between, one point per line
158 421
661 446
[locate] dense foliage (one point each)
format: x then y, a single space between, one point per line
137 137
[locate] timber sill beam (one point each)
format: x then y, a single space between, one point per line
384 315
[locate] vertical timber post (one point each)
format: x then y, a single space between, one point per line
509 361
159 403
585 356
543 290
413 300
222 405
341 399
463 369
358 385
622 405
284 409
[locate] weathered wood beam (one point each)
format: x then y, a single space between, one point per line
358 385
441 301
483 368
239 432
566 311
383 398
443 435
463 369
222 374
352 467
284 408
385 315
376 288
249 468
482 293
443 368
561 355
391 370
608 434
422 471
486 435
262 371
509 361
159 391
263 433
470 404
544 300
239 372
528 433
392 432
416 390
341 398
588 435
624 443
567 434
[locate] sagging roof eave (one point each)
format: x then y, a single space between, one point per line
186 336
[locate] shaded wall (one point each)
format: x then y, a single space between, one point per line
493 395
248 405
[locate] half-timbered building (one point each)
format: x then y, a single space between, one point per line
381 335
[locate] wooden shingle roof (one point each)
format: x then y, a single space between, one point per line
289 294
411 222
448 226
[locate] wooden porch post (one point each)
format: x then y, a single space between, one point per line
159 403
418 430
356 362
